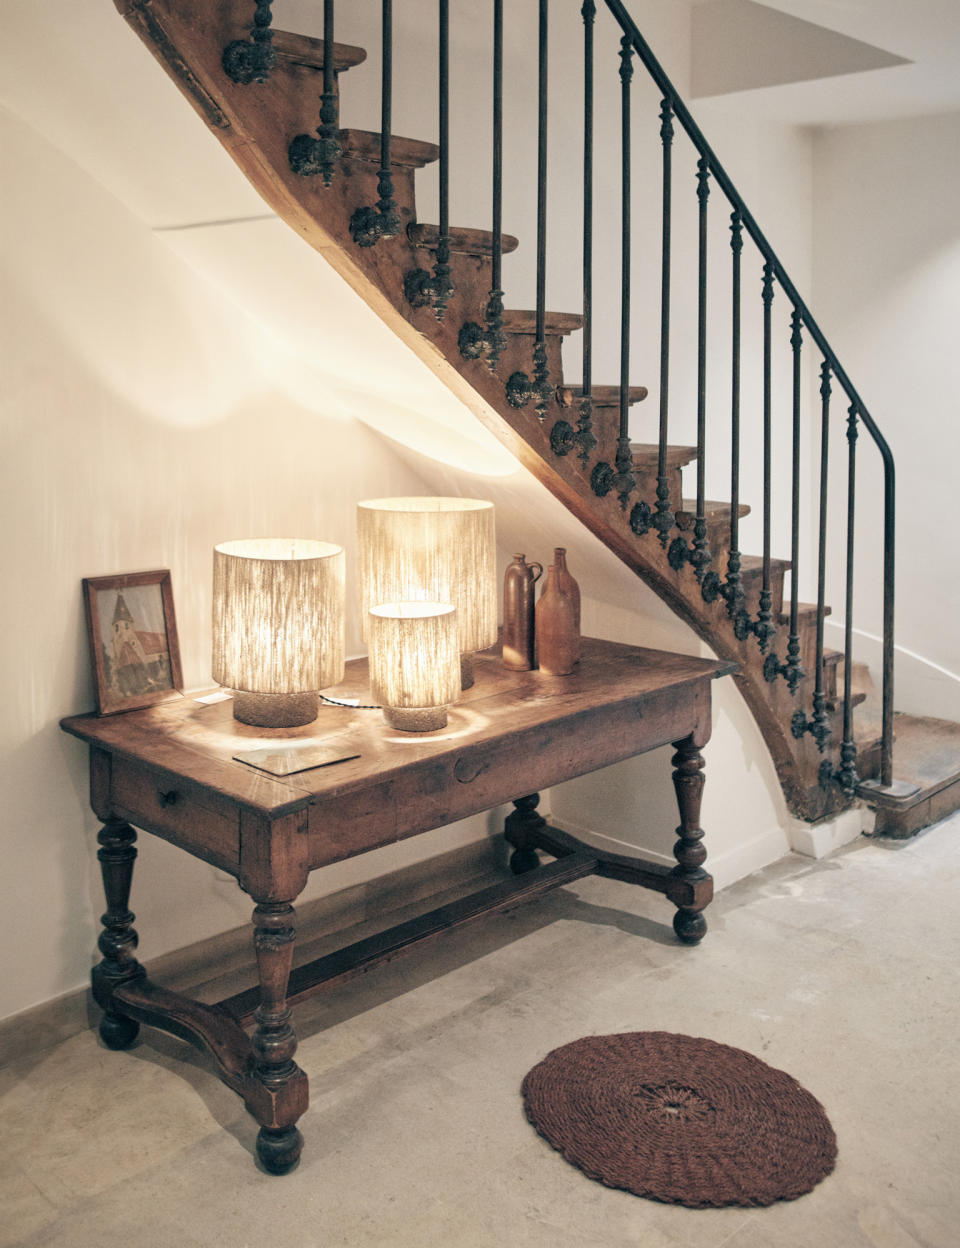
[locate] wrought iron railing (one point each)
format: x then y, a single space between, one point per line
487 340
742 221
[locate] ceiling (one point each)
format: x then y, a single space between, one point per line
924 32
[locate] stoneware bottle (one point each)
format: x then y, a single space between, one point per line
570 586
558 642
518 583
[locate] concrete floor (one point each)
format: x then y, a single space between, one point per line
844 972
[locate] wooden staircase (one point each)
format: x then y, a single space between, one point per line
256 121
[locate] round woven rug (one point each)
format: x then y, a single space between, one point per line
680 1119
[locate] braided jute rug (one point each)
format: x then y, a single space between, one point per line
680 1119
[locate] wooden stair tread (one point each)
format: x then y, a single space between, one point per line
602 396
804 611
647 455
524 321
713 511
926 753
409 153
752 565
462 239
305 50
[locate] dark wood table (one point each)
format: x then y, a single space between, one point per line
170 770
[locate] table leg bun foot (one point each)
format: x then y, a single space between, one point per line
118 1032
690 926
523 860
279 1148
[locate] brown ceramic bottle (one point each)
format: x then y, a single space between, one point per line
571 587
558 642
518 583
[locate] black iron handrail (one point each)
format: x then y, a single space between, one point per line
857 408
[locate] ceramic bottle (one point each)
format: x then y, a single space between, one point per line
558 641
518 617
570 586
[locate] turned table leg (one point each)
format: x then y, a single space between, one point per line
518 829
118 940
690 888
279 1143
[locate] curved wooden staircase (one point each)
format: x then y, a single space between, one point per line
256 121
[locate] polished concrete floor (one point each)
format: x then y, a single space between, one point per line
844 972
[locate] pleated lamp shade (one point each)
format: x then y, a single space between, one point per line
431 550
414 662
278 626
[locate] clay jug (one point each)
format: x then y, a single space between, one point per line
568 584
518 583
558 642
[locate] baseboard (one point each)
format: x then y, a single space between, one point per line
816 840
203 968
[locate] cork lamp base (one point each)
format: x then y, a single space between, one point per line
415 718
275 710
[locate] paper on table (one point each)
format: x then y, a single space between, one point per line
287 762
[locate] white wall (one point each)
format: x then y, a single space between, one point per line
887 283
144 418
147 415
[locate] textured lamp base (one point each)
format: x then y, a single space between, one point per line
415 718
275 710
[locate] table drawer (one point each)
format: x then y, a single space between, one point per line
178 811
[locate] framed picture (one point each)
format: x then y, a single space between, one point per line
133 640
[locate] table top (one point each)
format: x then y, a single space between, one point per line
197 741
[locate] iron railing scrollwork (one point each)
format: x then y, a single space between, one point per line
251 60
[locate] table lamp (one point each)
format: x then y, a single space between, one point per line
414 663
278 626
432 550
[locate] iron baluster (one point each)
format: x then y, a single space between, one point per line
733 589
251 60
585 437
624 481
847 775
369 224
819 728
764 627
793 673
700 556
307 154
443 286
541 386
663 518
494 310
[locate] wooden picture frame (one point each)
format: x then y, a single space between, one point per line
134 648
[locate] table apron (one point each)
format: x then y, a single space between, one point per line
455 786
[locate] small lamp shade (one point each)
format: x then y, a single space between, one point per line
431 550
414 663
278 626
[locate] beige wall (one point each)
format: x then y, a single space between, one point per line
144 418
887 280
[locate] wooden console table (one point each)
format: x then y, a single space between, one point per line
170 770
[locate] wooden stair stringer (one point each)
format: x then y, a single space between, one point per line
255 124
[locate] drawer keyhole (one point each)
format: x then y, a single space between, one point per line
166 797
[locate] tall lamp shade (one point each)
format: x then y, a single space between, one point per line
414 663
278 626
423 549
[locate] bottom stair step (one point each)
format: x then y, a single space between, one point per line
926 772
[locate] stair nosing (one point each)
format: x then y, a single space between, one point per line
464 240
555 323
406 153
306 50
